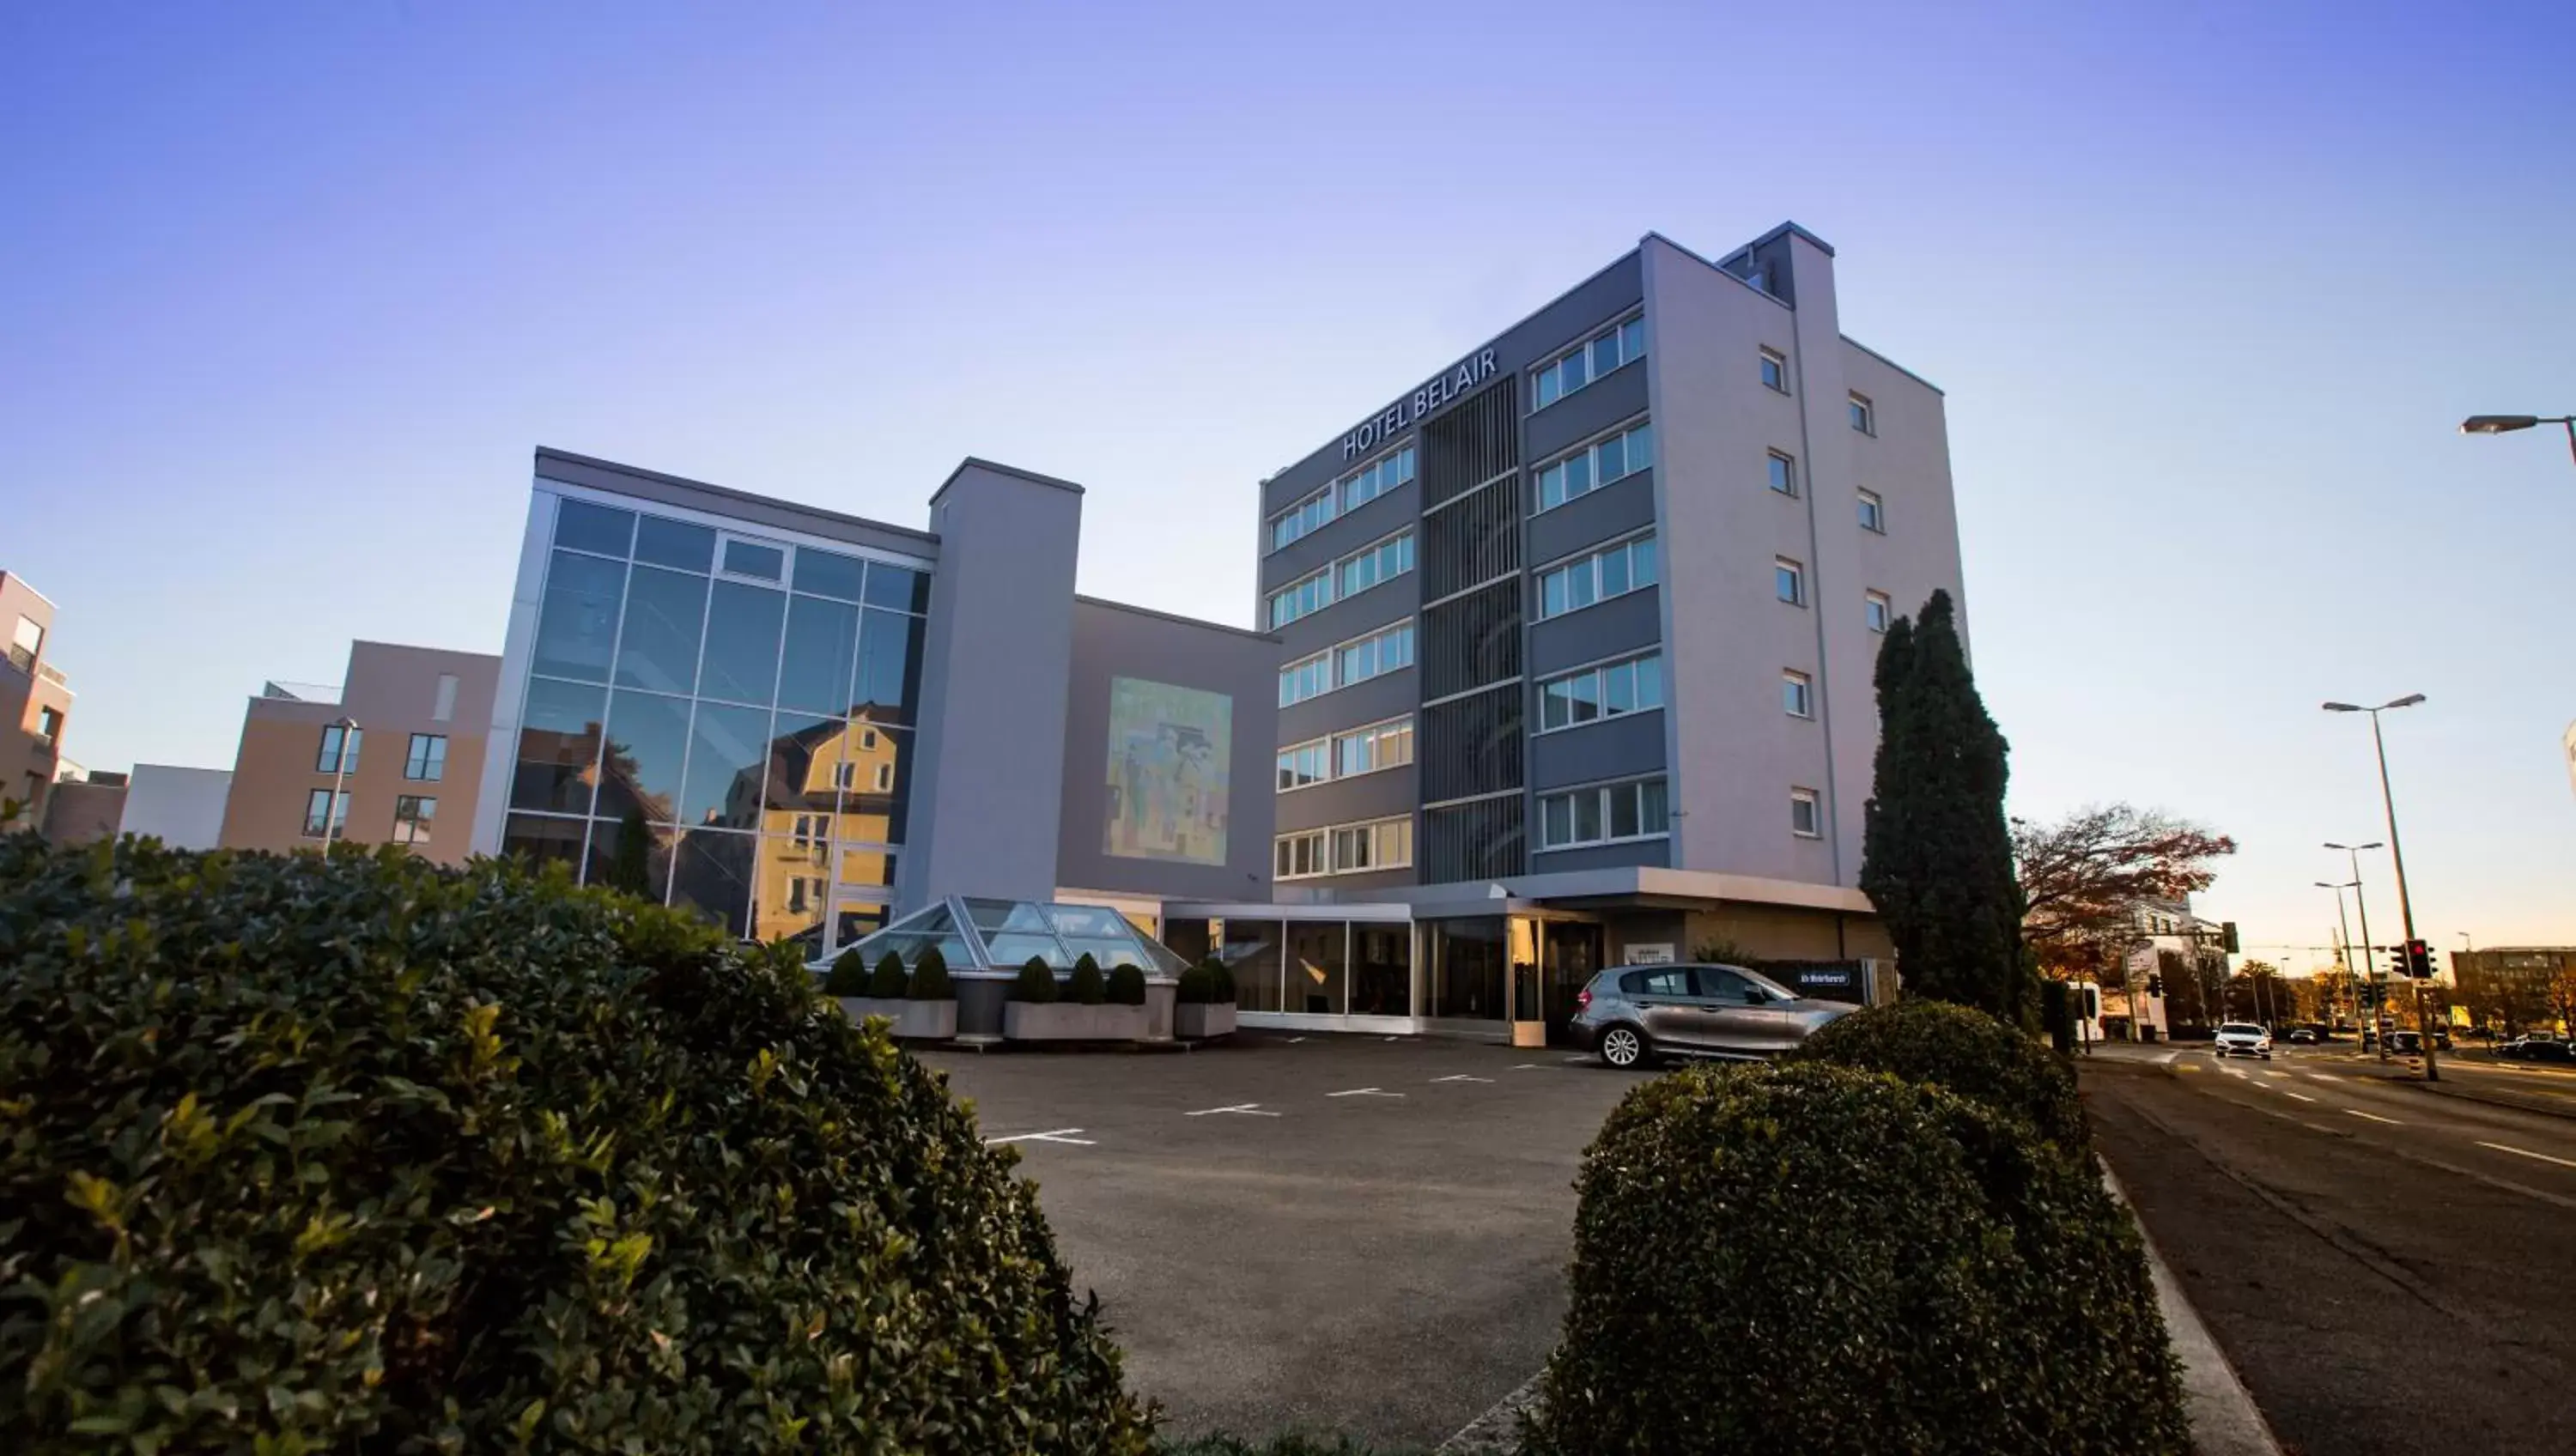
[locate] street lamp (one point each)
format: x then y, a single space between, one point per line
2397 853
339 774
2365 976
2507 424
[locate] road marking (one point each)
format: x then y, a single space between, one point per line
1059 1135
2302 1096
2528 1153
1292 1041
2375 1117
1395 1038
2268 1072
1365 1092
1570 1061
1461 1077
1244 1109
1525 1066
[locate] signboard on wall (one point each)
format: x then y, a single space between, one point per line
1650 955
1169 760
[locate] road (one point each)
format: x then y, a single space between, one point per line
2390 1268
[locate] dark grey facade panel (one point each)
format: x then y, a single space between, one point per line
1379 607
1618 396
1626 747
1654 852
1375 521
1622 624
1381 795
1615 510
1560 324
1391 695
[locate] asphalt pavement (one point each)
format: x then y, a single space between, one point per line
2390 1267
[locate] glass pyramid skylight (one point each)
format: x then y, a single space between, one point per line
1001 935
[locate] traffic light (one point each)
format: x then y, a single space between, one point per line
2419 960
2227 936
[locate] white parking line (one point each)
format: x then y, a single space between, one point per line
1241 1109
2375 1117
2528 1153
1365 1092
1292 1041
1570 1061
1525 1066
2302 1096
1059 1135
2268 1072
1461 1077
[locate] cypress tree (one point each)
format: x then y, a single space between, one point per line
629 867
1936 857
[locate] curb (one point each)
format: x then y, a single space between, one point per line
2224 1419
1498 1431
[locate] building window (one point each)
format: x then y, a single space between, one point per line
1366 750
1789 580
1603 815
1863 417
1775 370
1876 610
412 816
1614 571
1390 558
426 760
1344 849
49 726
442 706
27 644
885 778
1341 497
1873 512
844 775
1596 465
320 806
1304 764
1784 474
1806 814
1797 694
339 753
1311 677
1374 656
754 559
1611 690
1311 594
1615 346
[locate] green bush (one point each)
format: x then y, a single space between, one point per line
1035 984
1293 1443
1965 1050
1833 1261
1196 987
849 975
1085 987
368 1155
887 983
930 979
1126 986
1223 977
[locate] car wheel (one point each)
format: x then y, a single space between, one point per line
1624 1047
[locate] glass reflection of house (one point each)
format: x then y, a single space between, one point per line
829 783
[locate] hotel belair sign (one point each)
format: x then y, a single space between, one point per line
1448 385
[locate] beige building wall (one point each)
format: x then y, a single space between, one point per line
33 699
392 692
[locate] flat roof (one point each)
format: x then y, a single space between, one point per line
546 453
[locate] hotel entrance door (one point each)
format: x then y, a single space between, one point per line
1569 956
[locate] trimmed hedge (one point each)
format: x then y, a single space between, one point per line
370 1155
1197 987
1085 987
1126 986
887 982
1035 984
1837 1262
930 979
1965 1050
849 975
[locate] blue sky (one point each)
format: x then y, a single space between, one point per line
289 293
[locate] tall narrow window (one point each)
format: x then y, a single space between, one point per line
325 814
1789 580
1806 814
412 816
1775 370
426 760
1873 512
1797 694
442 706
339 749
1864 417
1784 473
1876 610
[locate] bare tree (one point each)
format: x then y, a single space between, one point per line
2084 876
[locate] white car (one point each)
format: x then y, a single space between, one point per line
2244 1039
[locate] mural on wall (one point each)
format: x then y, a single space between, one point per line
1168 759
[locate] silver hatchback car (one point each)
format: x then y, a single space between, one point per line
1632 1014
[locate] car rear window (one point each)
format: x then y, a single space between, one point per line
1673 982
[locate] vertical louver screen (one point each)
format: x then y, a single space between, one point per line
1469 652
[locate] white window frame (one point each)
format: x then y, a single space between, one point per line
1400 541
1872 511
1780 472
1556 362
1797 693
786 576
1864 415
1336 496
1780 363
1377 735
1591 560
1388 846
1599 672
1886 611
1590 454
1270 528
1321 747
1378 640
1321 579
1814 804
1318 860
1602 807
1293 672
1798 580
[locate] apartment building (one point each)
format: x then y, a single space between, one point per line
35 703
393 753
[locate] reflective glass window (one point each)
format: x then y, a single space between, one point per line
889 662
665 615
741 661
558 746
828 575
661 541
538 838
577 621
822 644
1252 953
898 587
711 875
586 527
646 874
648 738
728 750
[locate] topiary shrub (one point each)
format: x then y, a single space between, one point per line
1965 1050
887 982
1126 986
1085 987
1836 1262
1196 987
1035 983
1223 975
930 980
362 1154
849 975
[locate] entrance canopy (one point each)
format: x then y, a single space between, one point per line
1000 936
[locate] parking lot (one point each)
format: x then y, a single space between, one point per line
1346 1234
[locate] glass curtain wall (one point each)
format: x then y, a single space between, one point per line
720 720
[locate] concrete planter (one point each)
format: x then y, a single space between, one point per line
1198 1022
913 1020
1071 1021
